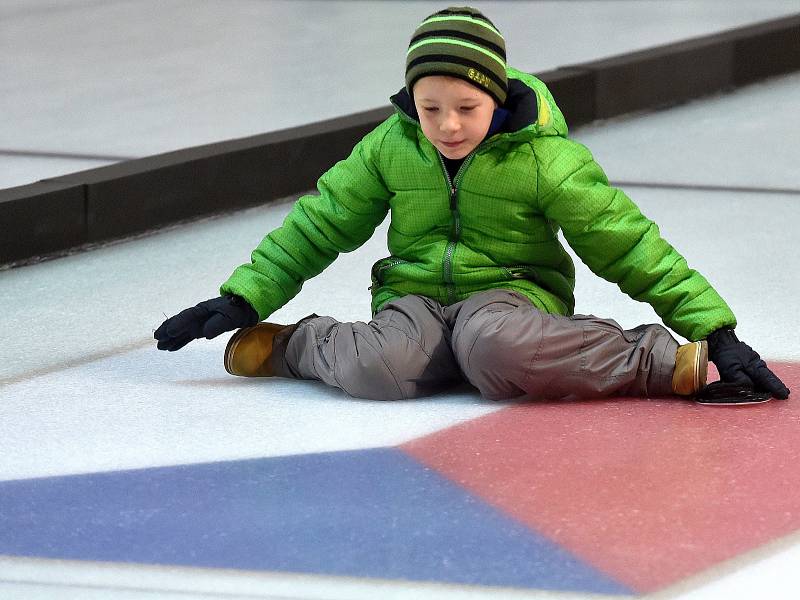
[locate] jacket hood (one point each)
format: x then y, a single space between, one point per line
532 110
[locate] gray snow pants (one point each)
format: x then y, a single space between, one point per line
496 340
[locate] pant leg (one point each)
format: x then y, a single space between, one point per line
404 352
507 348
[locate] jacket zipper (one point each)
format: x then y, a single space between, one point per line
376 273
455 233
517 272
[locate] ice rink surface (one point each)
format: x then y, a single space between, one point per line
130 473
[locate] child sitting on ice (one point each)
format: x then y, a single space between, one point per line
478 174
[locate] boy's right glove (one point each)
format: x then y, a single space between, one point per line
208 319
739 363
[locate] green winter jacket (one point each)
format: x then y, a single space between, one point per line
494 226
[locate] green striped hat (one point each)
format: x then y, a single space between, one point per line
459 42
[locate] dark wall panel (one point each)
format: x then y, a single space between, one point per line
147 193
661 76
39 219
574 91
768 49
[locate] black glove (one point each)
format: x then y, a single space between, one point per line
208 319
739 363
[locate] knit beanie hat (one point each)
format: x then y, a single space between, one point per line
459 42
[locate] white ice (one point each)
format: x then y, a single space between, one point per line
82 387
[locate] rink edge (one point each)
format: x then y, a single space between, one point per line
54 216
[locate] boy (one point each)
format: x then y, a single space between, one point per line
477 171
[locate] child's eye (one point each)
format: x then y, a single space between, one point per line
467 108
430 109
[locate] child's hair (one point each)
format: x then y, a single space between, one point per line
459 42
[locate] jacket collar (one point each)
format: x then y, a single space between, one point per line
521 104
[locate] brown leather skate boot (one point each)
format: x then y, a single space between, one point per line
691 368
249 350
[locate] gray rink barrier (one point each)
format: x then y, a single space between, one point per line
56 216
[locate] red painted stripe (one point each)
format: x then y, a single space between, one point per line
647 491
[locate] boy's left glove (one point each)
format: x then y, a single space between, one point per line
739 363
208 319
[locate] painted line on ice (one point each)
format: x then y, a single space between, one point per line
706 187
71 155
76 362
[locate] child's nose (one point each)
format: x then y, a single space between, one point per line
451 123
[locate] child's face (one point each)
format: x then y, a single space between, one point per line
454 115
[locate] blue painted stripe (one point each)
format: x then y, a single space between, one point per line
369 513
